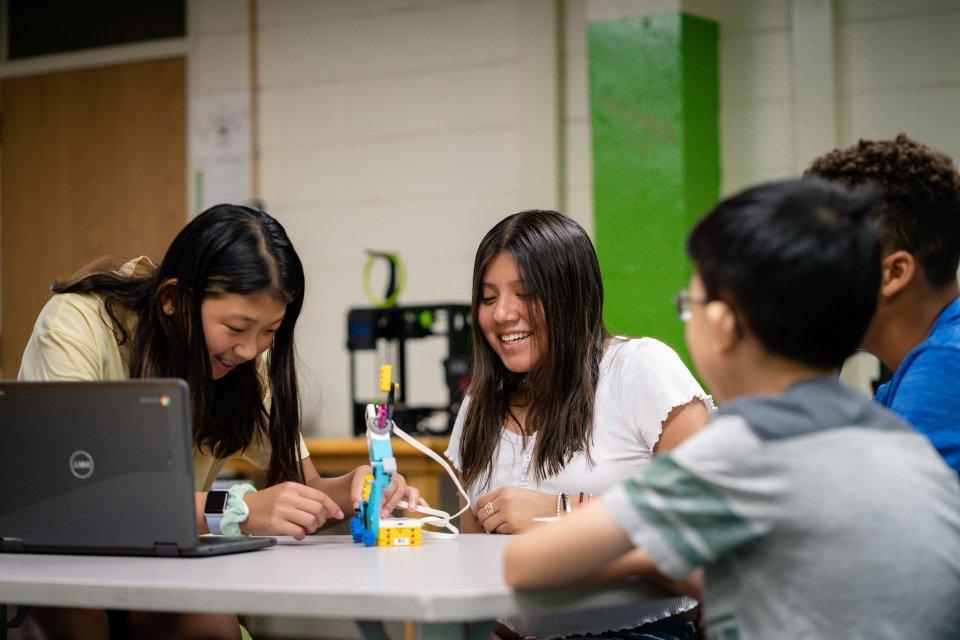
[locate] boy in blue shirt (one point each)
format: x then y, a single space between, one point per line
812 511
916 329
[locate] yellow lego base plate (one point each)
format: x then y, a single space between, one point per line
400 532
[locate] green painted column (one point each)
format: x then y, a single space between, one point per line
656 162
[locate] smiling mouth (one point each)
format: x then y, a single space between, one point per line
510 338
225 363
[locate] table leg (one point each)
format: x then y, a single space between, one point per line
373 630
14 622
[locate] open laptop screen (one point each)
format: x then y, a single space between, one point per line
97 467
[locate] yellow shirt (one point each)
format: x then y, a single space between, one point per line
74 339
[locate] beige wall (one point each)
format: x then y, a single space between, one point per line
414 125
411 126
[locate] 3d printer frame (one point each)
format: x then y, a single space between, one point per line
366 326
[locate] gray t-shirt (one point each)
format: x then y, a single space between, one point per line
815 514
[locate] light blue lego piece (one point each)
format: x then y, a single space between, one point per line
366 524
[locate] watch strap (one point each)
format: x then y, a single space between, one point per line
214 508
213 523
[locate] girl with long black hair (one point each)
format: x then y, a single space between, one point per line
219 311
557 408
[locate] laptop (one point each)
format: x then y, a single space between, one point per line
101 468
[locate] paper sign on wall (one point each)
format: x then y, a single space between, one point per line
220 148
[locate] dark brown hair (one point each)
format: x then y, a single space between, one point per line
920 193
560 272
226 249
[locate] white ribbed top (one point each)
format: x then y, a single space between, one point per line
641 381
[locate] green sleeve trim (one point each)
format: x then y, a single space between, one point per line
689 513
659 520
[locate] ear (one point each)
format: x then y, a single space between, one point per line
166 295
897 271
723 324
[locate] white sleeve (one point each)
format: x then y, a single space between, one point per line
655 381
453 448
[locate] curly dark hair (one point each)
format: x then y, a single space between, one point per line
920 190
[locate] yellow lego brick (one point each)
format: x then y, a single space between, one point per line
386 376
367 486
400 532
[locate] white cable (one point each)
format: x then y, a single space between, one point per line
435 517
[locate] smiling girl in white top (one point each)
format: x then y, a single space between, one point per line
556 405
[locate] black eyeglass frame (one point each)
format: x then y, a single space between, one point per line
683 302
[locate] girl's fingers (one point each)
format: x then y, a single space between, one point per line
356 484
395 496
487 512
483 500
494 521
307 521
413 496
292 530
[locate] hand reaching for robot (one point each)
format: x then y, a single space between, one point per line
398 490
288 509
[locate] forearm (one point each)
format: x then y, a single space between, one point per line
638 564
691 586
565 551
634 563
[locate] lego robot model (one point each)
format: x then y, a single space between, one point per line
366 526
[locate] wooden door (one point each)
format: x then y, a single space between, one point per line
93 163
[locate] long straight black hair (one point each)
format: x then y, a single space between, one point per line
226 249
559 268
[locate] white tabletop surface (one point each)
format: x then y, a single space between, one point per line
323 576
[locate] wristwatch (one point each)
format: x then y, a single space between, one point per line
214 508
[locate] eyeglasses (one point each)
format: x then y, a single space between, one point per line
683 302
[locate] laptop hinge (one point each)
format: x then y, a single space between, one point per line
166 549
11 545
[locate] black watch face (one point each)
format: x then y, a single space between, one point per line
216 502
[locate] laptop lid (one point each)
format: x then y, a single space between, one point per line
96 467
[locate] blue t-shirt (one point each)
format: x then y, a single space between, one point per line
925 389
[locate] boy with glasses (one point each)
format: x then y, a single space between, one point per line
813 512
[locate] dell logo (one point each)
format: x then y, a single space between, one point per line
81 464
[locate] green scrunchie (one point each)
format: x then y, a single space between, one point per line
237 510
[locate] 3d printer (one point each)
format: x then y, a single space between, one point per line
367 326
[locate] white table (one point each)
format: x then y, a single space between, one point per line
437 586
